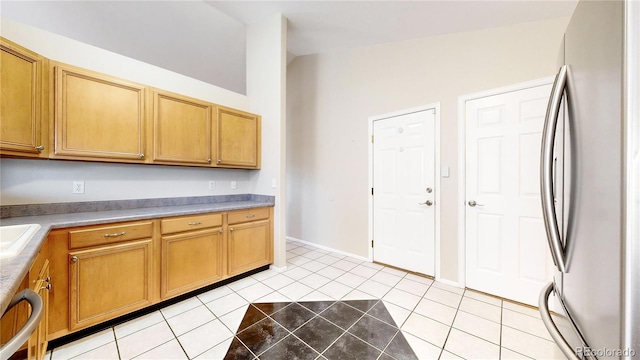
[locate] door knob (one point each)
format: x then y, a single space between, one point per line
429 190
473 203
428 203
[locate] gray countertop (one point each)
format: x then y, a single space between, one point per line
13 270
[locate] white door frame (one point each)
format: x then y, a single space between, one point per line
436 108
462 152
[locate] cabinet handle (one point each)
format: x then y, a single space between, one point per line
141 156
196 223
74 259
48 287
40 148
209 160
231 229
219 161
115 234
48 279
220 231
251 216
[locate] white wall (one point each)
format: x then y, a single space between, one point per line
266 89
183 36
330 97
41 181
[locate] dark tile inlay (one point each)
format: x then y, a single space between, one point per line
292 316
350 347
341 331
342 315
262 335
319 333
270 308
237 351
252 316
362 305
373 331
316 306
400 349
291 348
380 312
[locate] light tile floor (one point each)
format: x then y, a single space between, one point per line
438 320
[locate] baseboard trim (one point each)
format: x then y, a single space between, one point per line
363 258
450 282
278 269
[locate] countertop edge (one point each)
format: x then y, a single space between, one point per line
13 270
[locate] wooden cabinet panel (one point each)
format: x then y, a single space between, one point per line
109 281
181 129
37 344
21 94
190 222
237 217
98 116
191 260
249 246
59 293
238 138
109 234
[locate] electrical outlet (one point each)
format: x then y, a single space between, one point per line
212 185
234 185
78 187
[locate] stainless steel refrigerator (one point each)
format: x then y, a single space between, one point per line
589 185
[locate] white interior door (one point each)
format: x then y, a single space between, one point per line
506 247
404 189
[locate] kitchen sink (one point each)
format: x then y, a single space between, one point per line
14 238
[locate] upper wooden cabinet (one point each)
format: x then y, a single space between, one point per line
21 90
98 116
238 138
181 130
59 111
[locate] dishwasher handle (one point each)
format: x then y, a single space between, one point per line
30 296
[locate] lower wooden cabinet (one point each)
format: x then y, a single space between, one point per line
250 239
104 271
191 260
109 281
37 344
249 246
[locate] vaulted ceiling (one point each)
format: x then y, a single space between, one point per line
206 39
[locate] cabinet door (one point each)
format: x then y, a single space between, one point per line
191 260
98 117
250 246
109 281
181 130
39 339
238 139
21 95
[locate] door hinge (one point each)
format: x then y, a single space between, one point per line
371 191
371 243
372 139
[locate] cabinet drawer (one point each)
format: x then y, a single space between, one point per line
110 234
191 222
248 215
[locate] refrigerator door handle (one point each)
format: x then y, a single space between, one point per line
543 304
546 170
